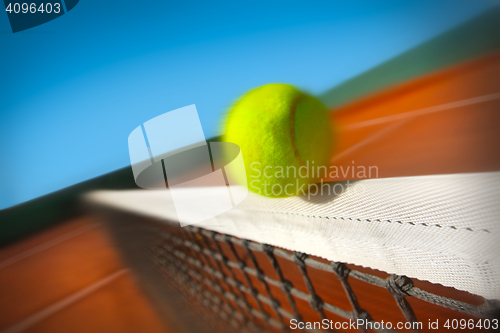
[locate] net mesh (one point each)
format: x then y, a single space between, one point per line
213 281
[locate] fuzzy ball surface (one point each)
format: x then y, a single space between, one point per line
285 136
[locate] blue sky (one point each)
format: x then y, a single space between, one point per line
73 89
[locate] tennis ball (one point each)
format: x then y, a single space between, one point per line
285 138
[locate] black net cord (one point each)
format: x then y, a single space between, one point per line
397 286
195 259
260 275
286 286
216 265
342 272
315 301
243 267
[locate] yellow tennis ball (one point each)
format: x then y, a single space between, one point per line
285 139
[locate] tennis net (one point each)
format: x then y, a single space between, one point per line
209 281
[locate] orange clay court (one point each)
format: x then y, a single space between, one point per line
444 122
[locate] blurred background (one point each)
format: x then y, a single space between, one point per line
74 88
